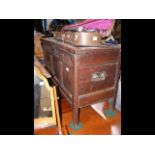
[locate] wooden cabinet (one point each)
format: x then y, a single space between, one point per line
84 75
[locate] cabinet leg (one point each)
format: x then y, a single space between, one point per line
76 124
114 103
111 102
76 116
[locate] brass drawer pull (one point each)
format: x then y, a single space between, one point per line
98 76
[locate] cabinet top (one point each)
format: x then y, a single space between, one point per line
77 49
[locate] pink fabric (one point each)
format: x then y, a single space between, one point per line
100 24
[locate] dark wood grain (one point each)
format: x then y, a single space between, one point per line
72 70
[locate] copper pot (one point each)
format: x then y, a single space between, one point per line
86 39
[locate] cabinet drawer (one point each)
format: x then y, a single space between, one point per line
97 77
99 57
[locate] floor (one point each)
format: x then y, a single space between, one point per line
91 122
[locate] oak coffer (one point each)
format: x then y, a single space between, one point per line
84 75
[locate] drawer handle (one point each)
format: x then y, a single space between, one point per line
98 76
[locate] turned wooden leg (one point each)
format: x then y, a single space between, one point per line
75 116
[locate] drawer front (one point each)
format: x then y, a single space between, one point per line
100 57
97 77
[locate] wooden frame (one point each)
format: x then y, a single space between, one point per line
38 122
